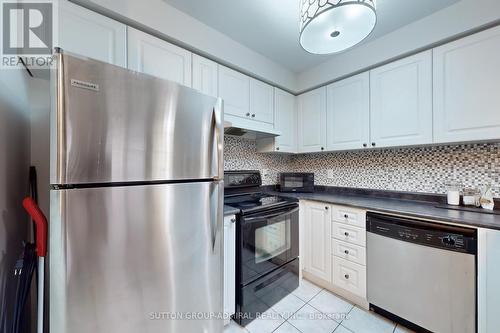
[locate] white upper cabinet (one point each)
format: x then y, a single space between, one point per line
312 121
261 101
154 56
467 88
234 88
205 76
401 102
87 33
348 113
285 121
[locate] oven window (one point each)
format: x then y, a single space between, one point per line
293 182
272 240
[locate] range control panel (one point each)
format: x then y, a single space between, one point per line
424 233
235 179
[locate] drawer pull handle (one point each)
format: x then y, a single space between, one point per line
346 216
346 251
346 234
346 276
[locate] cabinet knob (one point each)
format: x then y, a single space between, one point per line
326 207
233 220
346 251
247 114
346 276
322 148
253 115
346 216
373 144
346 234
365 145
278 148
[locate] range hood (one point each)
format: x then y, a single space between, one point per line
248 131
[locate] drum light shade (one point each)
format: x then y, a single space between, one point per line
330 26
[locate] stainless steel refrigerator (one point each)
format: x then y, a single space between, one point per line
135 235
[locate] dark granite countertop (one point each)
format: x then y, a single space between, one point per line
228 210
412 208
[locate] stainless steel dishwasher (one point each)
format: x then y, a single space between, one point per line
422 272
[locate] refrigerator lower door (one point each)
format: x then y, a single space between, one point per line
137 259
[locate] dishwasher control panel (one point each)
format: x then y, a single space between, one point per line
423 232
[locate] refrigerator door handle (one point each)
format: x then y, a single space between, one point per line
218 139
216 219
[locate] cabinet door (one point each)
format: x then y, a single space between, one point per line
466 88
205 74
401 102
285 121
154 56
348 113
488 285
229 265
87 33
317 247
234 89
312 121
261 101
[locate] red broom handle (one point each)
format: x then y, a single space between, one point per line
41 225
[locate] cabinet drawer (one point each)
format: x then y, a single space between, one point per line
349 276
351 252
349 233
351 216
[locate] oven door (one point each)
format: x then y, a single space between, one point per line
267 240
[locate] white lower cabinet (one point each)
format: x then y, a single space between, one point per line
349 276
350 234
317 241
229 267
348 251
334 249
488 285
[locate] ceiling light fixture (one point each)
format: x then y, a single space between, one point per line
330 26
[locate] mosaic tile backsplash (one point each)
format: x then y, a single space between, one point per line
422 169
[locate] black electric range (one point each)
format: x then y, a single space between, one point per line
267 244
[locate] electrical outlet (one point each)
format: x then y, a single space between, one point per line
329 174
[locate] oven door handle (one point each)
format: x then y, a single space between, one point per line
270 216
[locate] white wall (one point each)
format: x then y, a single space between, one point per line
451 21
14 167
169 22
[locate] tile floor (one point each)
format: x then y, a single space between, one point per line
311 309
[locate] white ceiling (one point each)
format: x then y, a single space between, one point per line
270 27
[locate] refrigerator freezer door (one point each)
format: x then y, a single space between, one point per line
110 124
137 259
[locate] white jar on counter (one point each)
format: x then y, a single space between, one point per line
454 190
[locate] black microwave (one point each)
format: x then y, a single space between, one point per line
296 182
